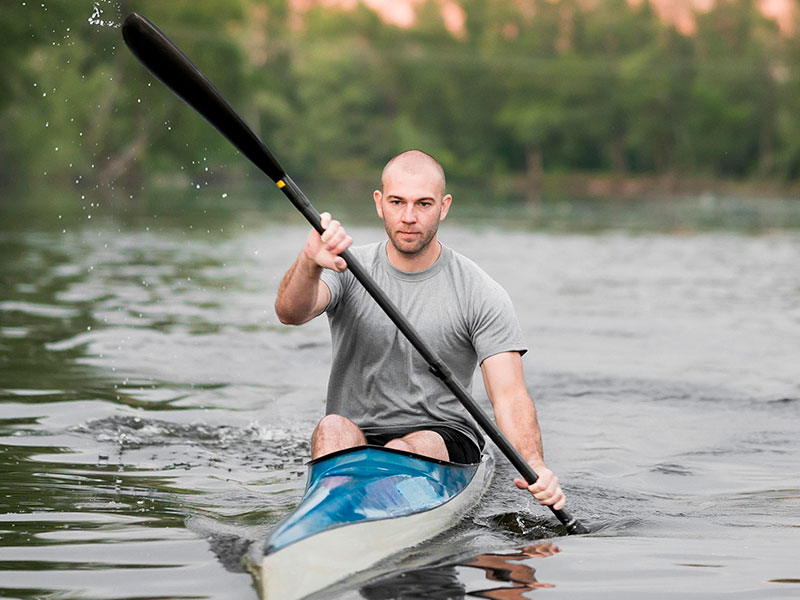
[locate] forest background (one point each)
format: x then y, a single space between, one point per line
533 96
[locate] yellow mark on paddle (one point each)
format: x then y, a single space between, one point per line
280 183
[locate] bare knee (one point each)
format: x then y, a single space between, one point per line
399 444
427 443
335 423
335 432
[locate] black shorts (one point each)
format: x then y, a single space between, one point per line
460 448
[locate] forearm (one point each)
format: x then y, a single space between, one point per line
514 411
298 293
516 418
515 415
301 294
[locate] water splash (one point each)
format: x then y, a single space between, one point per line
268 447
98 18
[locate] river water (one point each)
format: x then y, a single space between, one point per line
155 416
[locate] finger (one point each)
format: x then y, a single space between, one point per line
557 500
521 483
325 219
553 498
333 237
541 484
331 230
550 490
342 245
547 480
340 264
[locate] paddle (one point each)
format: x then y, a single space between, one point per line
168 64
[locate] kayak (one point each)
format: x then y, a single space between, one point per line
362 505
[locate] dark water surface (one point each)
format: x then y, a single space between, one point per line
155 415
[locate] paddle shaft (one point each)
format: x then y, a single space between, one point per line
174 69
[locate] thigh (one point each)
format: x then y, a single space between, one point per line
423 441
417 441
460 448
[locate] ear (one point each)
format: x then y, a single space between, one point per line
445 206
378 196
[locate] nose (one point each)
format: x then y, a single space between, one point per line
409 214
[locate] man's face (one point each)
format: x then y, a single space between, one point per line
411 205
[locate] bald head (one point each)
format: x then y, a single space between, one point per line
414 162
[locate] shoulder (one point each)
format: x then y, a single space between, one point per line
368 253
468 271
481 297
343 283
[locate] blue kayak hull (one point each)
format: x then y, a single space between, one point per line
362 505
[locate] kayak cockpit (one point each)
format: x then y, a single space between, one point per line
369 483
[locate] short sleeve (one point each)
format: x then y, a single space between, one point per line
334 282
495 327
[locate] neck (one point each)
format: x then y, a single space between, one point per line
413 263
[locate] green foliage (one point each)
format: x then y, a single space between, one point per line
559 85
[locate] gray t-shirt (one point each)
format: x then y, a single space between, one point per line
378 380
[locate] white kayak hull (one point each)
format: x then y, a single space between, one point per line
316 562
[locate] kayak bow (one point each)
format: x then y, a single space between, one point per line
361 506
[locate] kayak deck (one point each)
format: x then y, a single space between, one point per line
366 484
362 505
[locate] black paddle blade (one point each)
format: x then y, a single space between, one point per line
174 69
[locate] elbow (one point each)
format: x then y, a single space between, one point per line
289 320
286 320
287 317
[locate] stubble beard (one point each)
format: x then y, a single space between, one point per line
414 247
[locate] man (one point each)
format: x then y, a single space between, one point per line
380 390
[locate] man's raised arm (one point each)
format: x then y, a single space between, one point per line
302 295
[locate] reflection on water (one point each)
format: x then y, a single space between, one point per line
439 583
509 568
154 415
506 576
